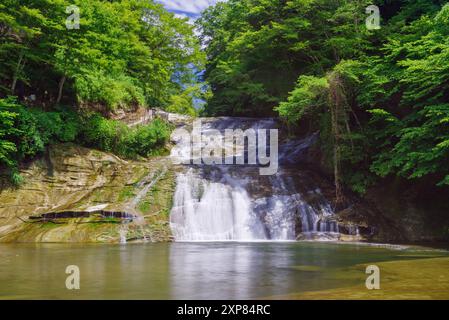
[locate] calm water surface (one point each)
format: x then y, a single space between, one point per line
182 270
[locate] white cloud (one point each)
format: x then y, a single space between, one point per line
187 7
181 15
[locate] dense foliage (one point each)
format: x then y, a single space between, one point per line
380 98
96 56
257 49
25 132
122 53
112 135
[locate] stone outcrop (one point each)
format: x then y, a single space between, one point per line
75 179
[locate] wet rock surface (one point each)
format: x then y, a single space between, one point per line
394 210
236 202
74 193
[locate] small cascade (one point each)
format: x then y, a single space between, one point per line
234 202
293 151
123 232
145 186
140 222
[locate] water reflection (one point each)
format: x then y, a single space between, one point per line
214 271
180 270
258 270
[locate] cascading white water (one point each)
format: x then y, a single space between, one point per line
233 202
212 210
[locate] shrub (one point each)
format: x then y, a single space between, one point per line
149 139
8 115
26 132
116 137
95 87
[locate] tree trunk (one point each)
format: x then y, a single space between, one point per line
16 73
336 104
60 88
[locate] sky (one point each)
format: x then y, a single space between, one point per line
187 8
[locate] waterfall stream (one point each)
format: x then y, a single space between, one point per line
235 202
145 186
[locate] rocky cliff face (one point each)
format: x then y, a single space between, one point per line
91 185
75 194
419 210
399 210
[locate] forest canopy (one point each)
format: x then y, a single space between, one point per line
379 97
119 53
65 66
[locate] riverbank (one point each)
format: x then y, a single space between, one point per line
415 279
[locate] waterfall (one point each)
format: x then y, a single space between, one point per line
145 186
123 231
234 202
137 220
205 209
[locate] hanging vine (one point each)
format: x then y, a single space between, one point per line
339 109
